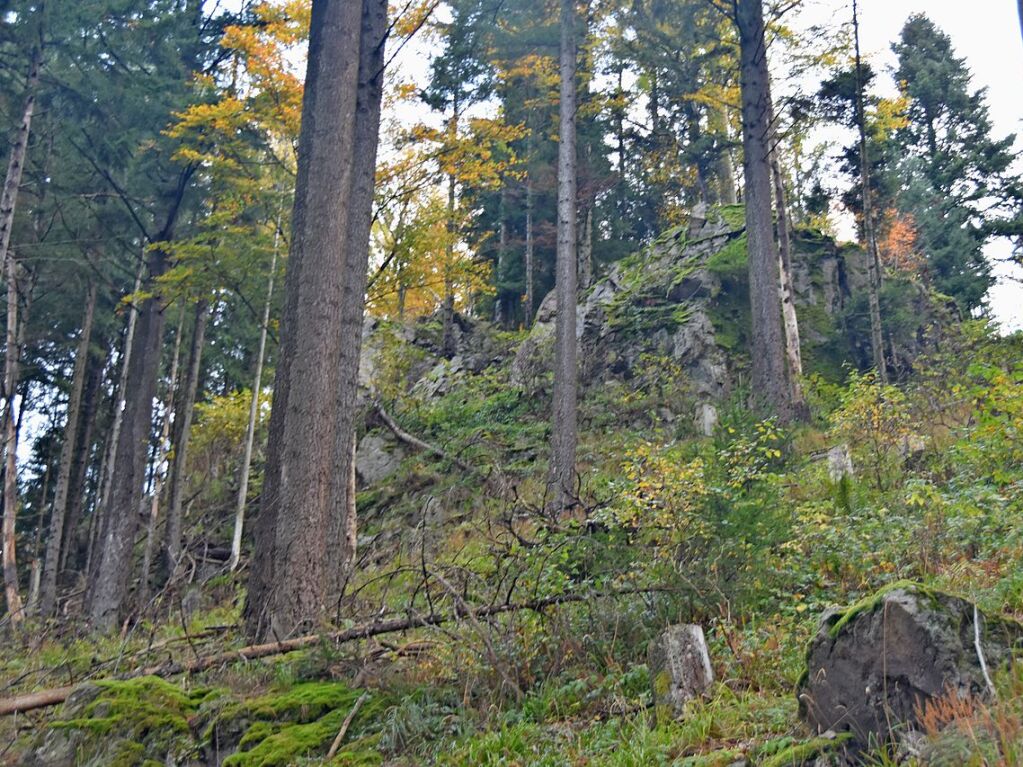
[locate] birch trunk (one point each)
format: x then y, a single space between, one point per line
790 321
51 569
562 480
250 430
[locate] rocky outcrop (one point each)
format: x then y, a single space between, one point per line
684 299
873 666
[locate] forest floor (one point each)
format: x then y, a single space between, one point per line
744 532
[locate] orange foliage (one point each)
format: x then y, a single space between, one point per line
897 245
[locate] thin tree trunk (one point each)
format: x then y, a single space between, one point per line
586 248
10 448
107 477
19 151
83 456
790 322
182 433
36 567
67 456
530 265
768 348
873 257
725 170
127 464
158 463
500 299
300 528
448 308
250 430
563 428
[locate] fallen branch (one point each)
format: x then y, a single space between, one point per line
419 444
56 696
344 727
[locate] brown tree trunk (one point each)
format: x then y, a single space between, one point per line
51 569
301 522
183 411
369 98
127 467
10 448
530 265
563 427
158 464
768 349
448 307
83 454
873 256
35 579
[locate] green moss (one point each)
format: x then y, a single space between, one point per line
800 753
731 261
717 759
733 215
135 719
870 603
288 724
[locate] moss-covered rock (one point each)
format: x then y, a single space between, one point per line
873 665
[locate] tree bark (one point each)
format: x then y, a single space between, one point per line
530 254
107 462
300 528
563 427
790 321
51 568
83 454
873 256
250 430
369 99
158 463
127 464
768 350
448 307
182 433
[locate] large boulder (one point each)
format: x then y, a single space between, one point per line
872 667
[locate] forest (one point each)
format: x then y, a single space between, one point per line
556 383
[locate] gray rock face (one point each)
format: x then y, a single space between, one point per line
376 459
680 670
869 669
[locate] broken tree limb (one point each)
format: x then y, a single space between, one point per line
56 696
419 444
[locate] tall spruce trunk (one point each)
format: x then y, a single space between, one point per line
160 458
369 99
869 234
770 379
790 321
127 465
563 427
183 412
300 531
70 548
97 524
448 306
68 449
250 429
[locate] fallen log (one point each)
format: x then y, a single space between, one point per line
56 696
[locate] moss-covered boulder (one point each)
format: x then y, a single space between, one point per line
112 723
873 666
